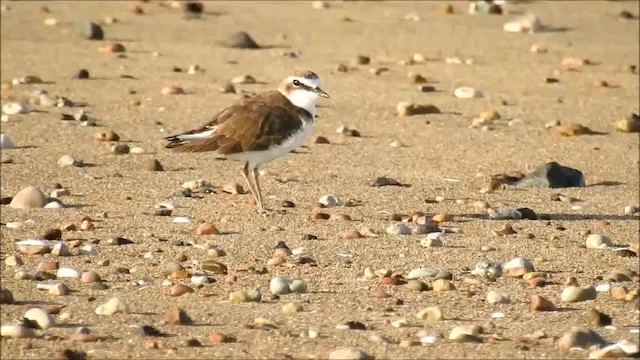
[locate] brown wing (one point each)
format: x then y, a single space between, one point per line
251 125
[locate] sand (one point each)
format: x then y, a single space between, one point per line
437 147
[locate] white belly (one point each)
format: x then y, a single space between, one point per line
259 158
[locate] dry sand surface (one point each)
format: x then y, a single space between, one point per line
119 194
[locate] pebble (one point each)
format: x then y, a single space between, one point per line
243 79
66 272
279 286
494 297
34 246
152 165
577 294
580 338
111 307
540 303
442 285
179 290
177 316
622 349
504 214
82 74
240 40
172 90
298 286
59 290
630 124
89 277
430 314
60 249
529 23
90 31
30 197
14 108
598 319
421 272
207 229
410 109
398 229
6 297
319 5
58 193
487 269
416 285
385 181
538 49
6 142
348 353
598 241
68 160
518 263
440 218
351 235
41 317
467 92
16 332
136 150
214 266
330 201
88 250
291 308
13 261
112 48
106 135
631 210
466 333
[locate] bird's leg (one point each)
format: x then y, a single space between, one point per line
255 175
245 174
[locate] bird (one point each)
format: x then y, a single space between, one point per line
259 129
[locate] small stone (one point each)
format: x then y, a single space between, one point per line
17 332
466 92
398 229
112 48
552 175
58 193
214 266
68 160
6 142
466 333
540 303
348 353
66 272
34 247
81 74
577 294
573 63
6 297
207 229
362 60
279 286
630 124
89 250
298 286
238 296
430 314
416 285
422 272
13 261
487 270
440 218
243 79
575 130
14 108
106 135
410 109
442 285
580 338
291 308
538 49
40 317
28 198
529 23
90 277
494 297
240 40
90 31
598 241
59 290
177 316
172 90
351 235
598 319
217 337
179 290
60 249
385 181
111 307
618 292
152 165
330 201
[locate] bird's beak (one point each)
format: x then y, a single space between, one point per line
321 92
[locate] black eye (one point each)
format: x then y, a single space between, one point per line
296 83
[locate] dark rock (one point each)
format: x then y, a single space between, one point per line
192 343
119 241
153 165
82 74
6 200
356 325
528 214
68 354
52 234
193 8
385 181
552 175
90 31
240 40
148 330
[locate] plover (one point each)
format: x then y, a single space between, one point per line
259 129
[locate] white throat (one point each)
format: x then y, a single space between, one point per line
303 99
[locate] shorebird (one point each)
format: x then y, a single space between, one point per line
259 129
